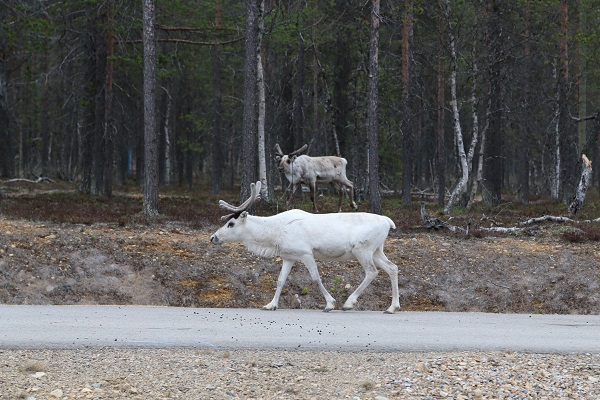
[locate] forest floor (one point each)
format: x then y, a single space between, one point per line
61 247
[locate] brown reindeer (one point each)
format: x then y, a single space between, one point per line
308 170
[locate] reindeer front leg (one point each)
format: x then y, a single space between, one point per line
311 266
293 188
285 271
313 194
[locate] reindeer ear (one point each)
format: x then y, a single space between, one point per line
243 215
277 158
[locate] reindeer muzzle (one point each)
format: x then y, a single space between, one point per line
215 240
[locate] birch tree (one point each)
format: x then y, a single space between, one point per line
260 81
150 206
461 185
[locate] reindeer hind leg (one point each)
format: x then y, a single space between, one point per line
392 270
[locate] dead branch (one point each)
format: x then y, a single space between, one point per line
526 227
436 223
543 218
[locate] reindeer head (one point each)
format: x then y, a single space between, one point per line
285 160
231 231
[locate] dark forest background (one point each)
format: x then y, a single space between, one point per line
507 90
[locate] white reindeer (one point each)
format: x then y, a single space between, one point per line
296 235
312 170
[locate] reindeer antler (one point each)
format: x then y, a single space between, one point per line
278 150
281 153
300 150
236 211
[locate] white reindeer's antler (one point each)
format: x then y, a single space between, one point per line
300 150
236 211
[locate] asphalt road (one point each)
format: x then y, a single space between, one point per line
33 327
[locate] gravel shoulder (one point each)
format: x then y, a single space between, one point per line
214 374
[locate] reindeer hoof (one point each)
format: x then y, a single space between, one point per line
391 310
347 308
267 308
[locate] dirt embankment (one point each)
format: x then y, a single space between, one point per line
172 264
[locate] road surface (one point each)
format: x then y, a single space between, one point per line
49 327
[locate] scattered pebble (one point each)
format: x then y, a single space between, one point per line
243 374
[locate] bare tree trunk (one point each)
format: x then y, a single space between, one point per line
249 139
493 171
260 78
167 130
89 119
217 147
372 124
584 184
7 155
441 125
299 137
408 159
567 133
150 206
482 144
524 131
554 173
109 127
461 186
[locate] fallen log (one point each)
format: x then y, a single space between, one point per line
525 226
39 179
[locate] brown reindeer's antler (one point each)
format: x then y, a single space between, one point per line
300 150
281 153
278 150
236 211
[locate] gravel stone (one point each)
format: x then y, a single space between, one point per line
182 373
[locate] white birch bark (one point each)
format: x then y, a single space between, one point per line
262 158
167 138
584 184
554 177
461 186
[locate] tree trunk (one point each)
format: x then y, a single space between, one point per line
249 128
262 156
554 173
217 147
461 185
299 138
524 129
109 127
150 206
89 99
567 132
6 141
441 117
584 184
167 132
408 159
581 75
372 124
493 165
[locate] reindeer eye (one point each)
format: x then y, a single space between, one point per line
289 161
231 224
